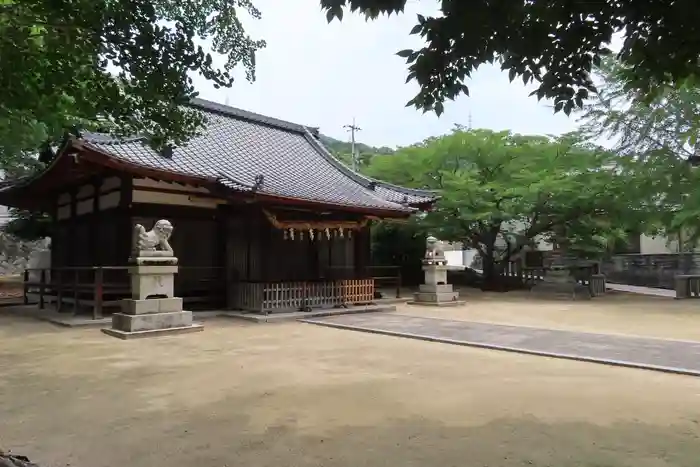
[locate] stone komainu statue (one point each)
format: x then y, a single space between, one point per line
153 242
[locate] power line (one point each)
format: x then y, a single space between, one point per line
352 129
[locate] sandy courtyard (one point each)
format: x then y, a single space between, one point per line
302 395
614 313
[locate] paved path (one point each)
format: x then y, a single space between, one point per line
642 290
637 352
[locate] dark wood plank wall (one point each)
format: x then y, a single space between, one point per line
89 239
228 244
257 251
194 240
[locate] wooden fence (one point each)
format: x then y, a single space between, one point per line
585 275
271 297
76 289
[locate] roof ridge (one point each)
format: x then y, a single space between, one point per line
235 112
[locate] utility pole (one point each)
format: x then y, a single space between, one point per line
352 129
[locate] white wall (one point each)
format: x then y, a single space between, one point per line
517 227
649 245
4 215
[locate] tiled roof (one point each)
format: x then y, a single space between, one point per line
247 151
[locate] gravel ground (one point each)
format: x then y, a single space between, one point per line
303 395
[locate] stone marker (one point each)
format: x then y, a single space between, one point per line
560 282
435 291
152 309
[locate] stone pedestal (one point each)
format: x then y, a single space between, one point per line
436 291
559 283
152 309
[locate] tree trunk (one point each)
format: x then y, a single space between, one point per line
492 276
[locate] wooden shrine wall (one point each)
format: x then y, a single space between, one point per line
256 251
87 221
93 225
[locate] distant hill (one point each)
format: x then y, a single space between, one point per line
343 150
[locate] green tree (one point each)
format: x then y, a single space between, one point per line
342 150
663 134
119 65
500 192
554 43
400 244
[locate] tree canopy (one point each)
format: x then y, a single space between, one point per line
554 43
64 64
663 133
342 150
501 192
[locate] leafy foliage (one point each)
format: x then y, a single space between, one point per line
668 123
661 132
27 225
501 192
342 150
119 65
402 245
554 43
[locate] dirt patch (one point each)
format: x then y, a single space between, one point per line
302 395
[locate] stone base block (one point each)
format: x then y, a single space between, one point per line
151 321
567 291
435 297
152 333
157 305
436 288
439 304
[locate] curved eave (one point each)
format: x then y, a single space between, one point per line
380 213
96 156
31 193
78 161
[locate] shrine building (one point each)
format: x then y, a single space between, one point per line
265 218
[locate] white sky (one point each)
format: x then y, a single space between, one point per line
323 75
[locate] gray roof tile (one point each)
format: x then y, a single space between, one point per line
238 147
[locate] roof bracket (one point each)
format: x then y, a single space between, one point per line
259 181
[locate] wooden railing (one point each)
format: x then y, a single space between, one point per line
98 287
270 297
585 275
94 287
687 286
528 275
388 276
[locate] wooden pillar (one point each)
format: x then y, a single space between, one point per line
71 247
96 254
249 249
221 256
123 223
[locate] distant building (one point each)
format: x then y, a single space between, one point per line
4 215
